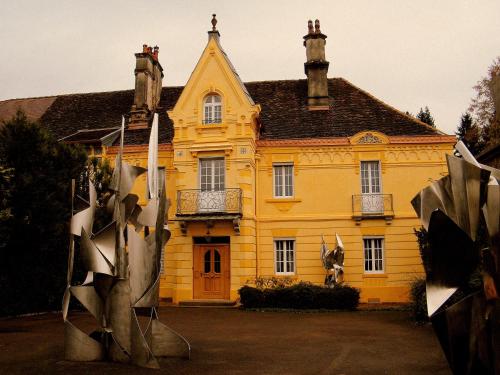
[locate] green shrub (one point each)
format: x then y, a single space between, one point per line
253 297
418 300
301 296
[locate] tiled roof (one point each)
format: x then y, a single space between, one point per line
70 113
33 108
284 113
89 135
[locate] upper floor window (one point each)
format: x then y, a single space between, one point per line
212 174
212 195
370 177
212 109
283 180
372 201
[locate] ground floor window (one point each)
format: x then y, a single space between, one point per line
284 250
374 254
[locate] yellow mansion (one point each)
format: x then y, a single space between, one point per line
257 172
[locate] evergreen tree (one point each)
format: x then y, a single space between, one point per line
33 265
5 211
424 115
469 133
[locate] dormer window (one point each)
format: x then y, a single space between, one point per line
212 109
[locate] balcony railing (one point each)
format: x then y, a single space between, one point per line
372 205
196 202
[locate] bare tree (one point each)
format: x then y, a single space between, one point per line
482 106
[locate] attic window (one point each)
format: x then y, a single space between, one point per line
212 109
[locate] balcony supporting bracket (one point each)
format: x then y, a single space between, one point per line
236 226
183 226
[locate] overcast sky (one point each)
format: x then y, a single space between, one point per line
407 53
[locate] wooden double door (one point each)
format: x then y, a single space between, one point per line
211 265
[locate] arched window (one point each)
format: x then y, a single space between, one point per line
212 109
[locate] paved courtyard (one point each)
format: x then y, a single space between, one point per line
232 341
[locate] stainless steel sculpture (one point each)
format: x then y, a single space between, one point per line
333 262
452 210
123 262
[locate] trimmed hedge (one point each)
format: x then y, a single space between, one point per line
301 296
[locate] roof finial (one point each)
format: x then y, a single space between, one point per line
316 27
214 22
310 27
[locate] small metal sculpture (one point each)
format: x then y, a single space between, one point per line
333 262
452 210
122 286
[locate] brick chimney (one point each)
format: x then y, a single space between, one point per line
316 68
148 76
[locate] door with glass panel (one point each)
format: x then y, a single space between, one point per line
212 196
211 271
371 188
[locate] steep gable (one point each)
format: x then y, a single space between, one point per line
214 73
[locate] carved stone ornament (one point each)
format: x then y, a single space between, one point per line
369 138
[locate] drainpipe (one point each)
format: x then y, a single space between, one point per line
256 193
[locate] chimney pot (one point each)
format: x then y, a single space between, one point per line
316 27
310 27
144 48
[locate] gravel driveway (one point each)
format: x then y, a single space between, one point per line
233 341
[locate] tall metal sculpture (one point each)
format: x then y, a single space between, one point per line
333 262
455 210
123 262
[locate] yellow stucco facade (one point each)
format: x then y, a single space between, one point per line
326 184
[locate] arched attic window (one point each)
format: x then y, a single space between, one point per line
212 109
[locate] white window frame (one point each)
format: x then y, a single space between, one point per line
200 169
371 185
212 193
376 262
372 200
212 108
286 254
282 193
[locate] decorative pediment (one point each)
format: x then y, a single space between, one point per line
214 73
369 137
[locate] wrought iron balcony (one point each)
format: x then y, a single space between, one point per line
367 206
200 202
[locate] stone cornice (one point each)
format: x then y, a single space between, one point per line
138 148
344 141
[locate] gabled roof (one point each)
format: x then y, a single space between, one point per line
233 69
284 113
71 113
33 108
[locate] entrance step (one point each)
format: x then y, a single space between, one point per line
208 303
